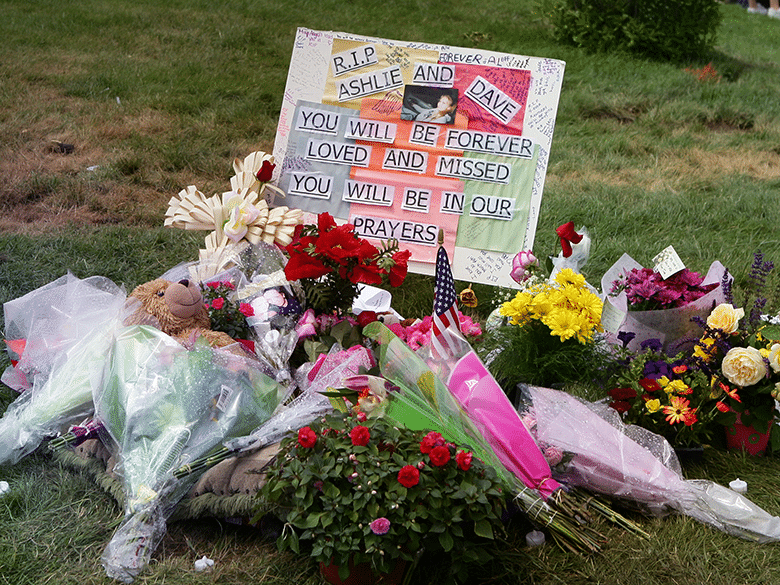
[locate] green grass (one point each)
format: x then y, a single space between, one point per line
163 94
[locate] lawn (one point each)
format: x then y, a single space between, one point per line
155 96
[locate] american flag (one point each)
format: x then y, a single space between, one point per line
445 307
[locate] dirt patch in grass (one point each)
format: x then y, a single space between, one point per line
62 164
679 168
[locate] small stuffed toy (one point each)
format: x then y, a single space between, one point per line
177 309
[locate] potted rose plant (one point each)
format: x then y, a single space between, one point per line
744 364
359 490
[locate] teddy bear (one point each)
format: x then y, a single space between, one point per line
177 309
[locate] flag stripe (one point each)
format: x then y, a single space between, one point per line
445 307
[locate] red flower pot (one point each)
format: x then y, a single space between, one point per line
363 574
739 437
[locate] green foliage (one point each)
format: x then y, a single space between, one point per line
336 487
531 355
673 30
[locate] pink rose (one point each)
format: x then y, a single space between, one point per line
521 265
380 526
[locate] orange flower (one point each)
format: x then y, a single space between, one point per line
722 406
730 392
678 410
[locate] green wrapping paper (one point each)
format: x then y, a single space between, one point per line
424 401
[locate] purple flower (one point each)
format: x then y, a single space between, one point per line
652 344
380 526
625 337
657 370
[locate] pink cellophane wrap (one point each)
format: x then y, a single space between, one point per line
488 407
634 464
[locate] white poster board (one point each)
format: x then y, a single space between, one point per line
401 139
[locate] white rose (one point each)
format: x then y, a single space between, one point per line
744 366
774 357
725 317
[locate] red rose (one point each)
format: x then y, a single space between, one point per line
430 441
463 459
440 455
246 309
409 476
306 437
218 303
266 171
360 436
568 237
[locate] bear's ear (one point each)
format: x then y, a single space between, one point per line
139 307
136 314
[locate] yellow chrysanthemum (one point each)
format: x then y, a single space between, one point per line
653 405
592 305
563 324
568 276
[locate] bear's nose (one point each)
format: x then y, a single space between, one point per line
185 282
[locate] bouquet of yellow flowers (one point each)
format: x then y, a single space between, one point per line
566 306
550 336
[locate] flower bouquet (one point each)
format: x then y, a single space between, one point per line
743 362
602 454
63 331
551 333
331 261
163 405
670 396
370 492
640 301
473 408
226 313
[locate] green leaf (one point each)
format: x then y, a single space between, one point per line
484 529
771 332
446 541
311 520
